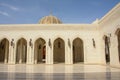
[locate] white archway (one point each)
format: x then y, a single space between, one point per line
107 48
4 50
118 38
40 51
78 50
59 51
21 52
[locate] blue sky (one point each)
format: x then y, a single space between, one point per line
68 11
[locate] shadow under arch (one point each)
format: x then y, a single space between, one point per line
40 51
21 52
78 50
4 50
59 51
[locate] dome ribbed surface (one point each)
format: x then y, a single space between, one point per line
50 20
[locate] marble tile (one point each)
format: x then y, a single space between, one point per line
58 72
60 76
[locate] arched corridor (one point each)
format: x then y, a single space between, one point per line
78 50
59 51
107 51
21 53
4 50
40 51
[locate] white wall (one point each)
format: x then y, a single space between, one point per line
91 54
108 25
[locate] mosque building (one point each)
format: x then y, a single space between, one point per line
53 42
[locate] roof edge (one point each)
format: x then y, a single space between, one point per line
109 13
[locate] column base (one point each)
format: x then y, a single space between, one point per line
68 63
11 62
49 63
5 61
30 63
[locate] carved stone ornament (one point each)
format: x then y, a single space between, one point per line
12 43
49 43
69 44
30 43
94 45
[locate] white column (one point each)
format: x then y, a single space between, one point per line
12 53
114 54
30 53
49 52
20 52
35 54
71 53
68 52
86 51
102 47
6 53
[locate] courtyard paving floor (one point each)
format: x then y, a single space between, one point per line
58 72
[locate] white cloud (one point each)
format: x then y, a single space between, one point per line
10 6
4 14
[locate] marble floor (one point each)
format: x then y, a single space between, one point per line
58 72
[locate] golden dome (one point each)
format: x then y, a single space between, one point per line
50 20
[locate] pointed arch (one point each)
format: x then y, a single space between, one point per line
40 50
78 50
21 52
4 50
107 48
118 38
59 51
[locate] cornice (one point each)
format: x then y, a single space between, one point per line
48 27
